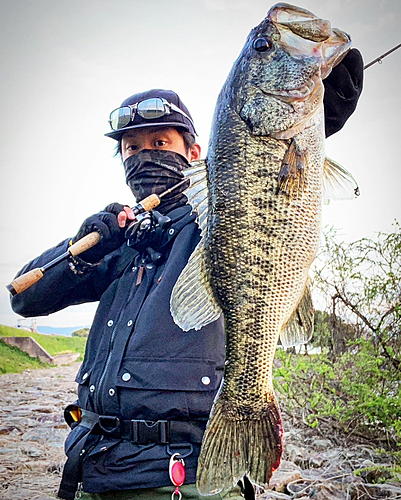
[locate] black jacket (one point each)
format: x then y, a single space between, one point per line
138 364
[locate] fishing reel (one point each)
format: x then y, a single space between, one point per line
147 231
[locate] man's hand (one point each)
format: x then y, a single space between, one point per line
342 87
110 224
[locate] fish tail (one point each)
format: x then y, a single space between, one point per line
237 442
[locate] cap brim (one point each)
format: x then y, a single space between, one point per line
117 134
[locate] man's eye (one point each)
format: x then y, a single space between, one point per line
160 143
132 147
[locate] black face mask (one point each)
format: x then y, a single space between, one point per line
153 171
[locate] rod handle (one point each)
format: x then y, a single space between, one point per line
25 281
150 202
84 244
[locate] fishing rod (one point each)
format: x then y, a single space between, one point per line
82 245
380 58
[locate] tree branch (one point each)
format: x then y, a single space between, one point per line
396 364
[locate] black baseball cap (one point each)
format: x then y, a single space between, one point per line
173 119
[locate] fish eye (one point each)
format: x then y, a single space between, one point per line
261 44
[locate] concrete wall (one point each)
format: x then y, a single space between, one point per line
35 350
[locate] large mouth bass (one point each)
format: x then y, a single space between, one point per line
260 219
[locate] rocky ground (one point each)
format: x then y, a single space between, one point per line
32 432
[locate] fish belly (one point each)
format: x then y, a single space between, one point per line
260 247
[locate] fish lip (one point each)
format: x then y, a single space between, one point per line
300 93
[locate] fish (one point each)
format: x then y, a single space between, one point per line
258 197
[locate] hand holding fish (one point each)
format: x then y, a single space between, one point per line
342 89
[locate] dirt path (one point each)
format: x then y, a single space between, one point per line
32 431
32 434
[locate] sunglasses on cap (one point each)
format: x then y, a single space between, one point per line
150 109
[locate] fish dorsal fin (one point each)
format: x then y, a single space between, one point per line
192 302
197 192
299 328
338 183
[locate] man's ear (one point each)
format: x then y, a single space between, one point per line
195 152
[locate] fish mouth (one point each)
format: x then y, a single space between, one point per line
301 93
304 35
300 22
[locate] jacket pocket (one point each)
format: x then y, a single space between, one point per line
157 388
83 380
168 374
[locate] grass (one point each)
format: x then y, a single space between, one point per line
13 360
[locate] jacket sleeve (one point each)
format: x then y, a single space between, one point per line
70 282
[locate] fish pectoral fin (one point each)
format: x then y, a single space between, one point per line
338 183
299 328
291 176
192 302
197 192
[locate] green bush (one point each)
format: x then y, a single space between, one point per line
83 332
354 384
359 393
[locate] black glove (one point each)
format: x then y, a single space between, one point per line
342 88
111 235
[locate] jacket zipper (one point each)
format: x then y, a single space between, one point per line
98 406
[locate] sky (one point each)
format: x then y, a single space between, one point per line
65 64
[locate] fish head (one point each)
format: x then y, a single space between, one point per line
277 80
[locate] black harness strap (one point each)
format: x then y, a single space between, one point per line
72 468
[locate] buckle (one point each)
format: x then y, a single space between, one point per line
181 449
72 414
145 431
110 425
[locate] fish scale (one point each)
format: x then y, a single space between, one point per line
265 177
267 267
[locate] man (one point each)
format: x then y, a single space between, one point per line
145 386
